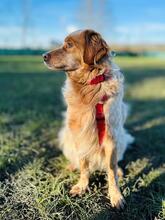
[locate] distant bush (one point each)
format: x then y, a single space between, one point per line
129 53
26 51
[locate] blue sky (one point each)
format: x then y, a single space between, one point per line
119 21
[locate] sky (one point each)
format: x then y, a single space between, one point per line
38 23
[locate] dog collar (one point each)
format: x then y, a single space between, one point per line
101 78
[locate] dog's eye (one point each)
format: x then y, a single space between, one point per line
69 44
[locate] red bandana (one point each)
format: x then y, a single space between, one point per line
100 117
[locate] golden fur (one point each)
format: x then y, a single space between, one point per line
83 56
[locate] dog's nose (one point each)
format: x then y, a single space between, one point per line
46 57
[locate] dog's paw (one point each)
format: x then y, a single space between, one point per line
117 200
77 189
70 167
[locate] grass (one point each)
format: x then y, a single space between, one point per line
34 182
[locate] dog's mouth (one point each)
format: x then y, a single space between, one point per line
53 67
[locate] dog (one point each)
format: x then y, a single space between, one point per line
92 137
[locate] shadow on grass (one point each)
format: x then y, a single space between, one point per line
148 126
45 151
138 74
145 110
31 104
141 205
28 94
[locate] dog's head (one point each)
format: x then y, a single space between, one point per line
80 48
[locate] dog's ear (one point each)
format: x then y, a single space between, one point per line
95 47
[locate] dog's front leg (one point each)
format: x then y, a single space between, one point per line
116 197
82 184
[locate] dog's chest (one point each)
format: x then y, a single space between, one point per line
86 114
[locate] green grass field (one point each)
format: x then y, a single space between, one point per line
34 183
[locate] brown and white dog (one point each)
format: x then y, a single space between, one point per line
93 136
